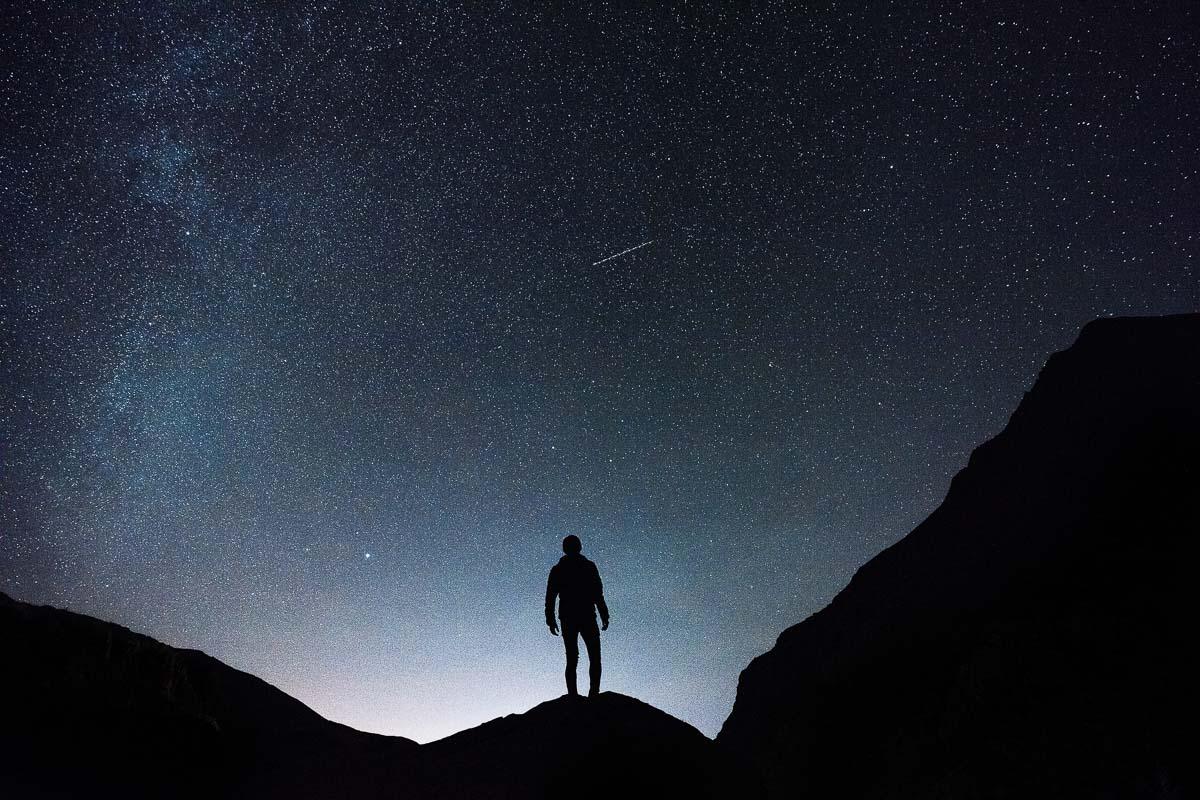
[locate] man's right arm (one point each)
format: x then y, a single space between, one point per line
601 606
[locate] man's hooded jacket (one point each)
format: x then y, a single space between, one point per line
576 582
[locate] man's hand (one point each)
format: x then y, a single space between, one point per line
604 625
553 629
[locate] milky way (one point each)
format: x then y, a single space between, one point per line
310 358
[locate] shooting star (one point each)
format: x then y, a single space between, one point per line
623 252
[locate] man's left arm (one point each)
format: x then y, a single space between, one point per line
551 595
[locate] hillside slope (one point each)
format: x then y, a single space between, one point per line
92 708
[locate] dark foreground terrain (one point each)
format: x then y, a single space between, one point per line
1029 639
95 710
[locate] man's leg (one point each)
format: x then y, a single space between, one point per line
591 638
570 636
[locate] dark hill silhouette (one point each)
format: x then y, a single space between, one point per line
94 709
1030 638
609 746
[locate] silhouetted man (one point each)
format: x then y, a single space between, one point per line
575 581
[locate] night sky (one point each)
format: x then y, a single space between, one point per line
310 362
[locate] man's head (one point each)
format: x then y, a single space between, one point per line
572 545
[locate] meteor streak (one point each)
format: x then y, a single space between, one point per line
623 252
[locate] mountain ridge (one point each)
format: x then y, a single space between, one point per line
1029 637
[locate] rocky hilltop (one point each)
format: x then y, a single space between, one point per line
610 746
1030 638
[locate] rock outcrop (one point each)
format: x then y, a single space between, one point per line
1031 637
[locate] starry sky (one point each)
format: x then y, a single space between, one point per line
312 356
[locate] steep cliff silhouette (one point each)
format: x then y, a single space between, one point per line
1031 637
